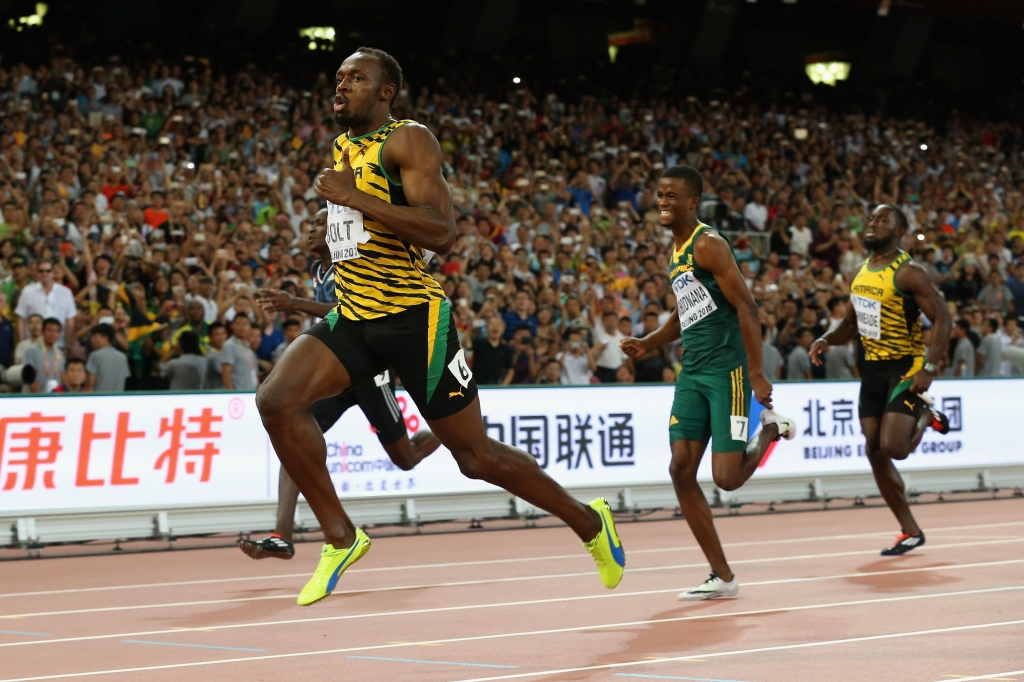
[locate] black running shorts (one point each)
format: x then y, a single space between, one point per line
376 398
883 387
421 346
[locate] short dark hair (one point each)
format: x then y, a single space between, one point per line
388 65
213 326
803 330
690 177
290 322
964 324
189 342
52 320
106 330
74 361
901 217
993 324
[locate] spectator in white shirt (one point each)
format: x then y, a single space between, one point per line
755 213
204 294
608 338
578 361
800 236
47 298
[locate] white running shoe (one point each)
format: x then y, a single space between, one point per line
787 427
712 588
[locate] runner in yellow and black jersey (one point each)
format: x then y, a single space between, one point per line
886 300
387 204
389 275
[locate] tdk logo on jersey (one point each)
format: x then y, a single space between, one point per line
684 280
870 304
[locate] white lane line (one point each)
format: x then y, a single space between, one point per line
485 581
529 602
992 676
485 562
760 650
584 628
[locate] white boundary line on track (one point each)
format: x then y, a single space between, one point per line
513 560
585 628
484 581
530 602
759 650
990 676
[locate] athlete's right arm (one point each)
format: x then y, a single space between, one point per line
668 333
844 333
277 301
415 156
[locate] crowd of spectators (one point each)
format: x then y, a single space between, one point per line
144 206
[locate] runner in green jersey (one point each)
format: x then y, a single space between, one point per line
721 337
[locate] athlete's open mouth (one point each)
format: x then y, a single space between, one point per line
339 103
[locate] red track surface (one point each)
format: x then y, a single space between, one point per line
817 602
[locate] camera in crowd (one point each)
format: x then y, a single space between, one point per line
14 377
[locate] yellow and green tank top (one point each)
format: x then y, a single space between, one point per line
708 324
389 275
889 321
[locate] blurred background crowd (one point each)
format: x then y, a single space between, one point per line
146 204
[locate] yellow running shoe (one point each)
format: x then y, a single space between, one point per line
333 563
606 548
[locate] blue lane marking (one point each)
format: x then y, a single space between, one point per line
27 634
414 660
668 677
190 646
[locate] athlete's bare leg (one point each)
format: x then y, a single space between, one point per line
287 498
900 434
517 472
405 453
308 371
686 456
732 469
888 479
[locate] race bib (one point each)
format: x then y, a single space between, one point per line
869 316
344 232
460 369
738 427
693 298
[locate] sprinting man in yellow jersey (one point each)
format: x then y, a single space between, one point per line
887 298
387 204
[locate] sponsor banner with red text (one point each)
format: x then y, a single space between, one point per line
78 452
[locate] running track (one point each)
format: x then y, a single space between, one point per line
816 603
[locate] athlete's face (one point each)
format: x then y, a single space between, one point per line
316 232
676 205
359 89
882 229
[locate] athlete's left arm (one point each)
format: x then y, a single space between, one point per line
913 280
428 221
714 254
